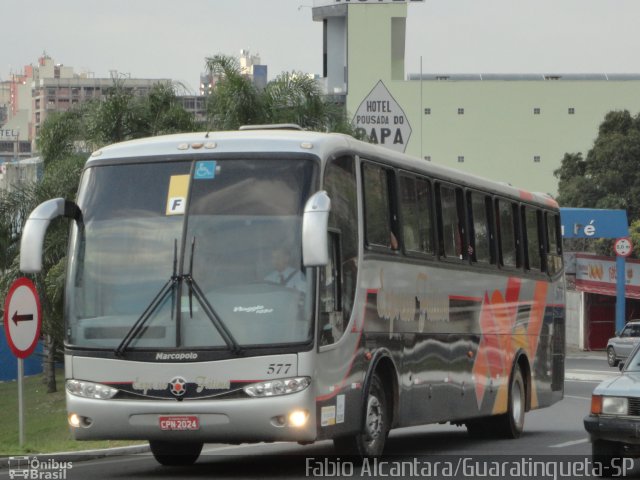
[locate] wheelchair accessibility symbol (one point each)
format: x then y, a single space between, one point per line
205 170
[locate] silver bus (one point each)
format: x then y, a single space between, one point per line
279 285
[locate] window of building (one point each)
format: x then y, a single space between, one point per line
427 158
536 111
460 158
572 111
427 111
536 158
460 111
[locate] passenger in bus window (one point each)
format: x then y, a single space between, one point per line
393 241
283 273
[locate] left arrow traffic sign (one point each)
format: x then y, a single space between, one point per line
22 317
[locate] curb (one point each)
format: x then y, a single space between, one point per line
82 455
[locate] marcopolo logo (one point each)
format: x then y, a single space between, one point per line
38 469
177 356
178 386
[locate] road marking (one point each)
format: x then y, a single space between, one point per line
568 444
577 398
582 375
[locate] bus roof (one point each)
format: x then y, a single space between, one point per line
323 145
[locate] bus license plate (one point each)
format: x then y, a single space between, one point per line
181 422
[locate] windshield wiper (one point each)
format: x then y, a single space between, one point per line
217 322
167 289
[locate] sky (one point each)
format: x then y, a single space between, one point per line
171 38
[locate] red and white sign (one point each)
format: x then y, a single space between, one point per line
623 247
22 317
596 274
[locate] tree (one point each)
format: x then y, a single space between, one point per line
235 100
121 116
609 177
292 97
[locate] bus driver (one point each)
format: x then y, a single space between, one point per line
283 273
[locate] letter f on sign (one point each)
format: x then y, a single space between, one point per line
176 206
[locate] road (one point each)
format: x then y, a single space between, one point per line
552 436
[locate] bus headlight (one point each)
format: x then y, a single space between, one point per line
282 386
90 390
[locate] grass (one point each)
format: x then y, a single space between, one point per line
45 417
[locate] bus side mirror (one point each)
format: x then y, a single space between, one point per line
35 227
315 220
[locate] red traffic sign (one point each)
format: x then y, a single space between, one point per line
22 317
623 247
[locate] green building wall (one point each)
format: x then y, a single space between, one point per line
498 136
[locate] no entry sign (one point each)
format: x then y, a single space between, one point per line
22 317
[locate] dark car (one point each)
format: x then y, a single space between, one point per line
620 346
614 421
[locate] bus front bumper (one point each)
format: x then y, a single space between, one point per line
226 421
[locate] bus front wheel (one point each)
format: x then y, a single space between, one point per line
370 442
175 454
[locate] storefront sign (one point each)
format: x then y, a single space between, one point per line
598 275
381 119
593 223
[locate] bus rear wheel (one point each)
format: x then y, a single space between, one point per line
173 454
511 423
370 442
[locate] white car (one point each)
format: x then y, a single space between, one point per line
620 346
614 421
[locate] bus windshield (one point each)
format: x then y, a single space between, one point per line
232 226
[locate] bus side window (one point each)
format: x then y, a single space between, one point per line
381 222
507 234
417 213
331 315
553 243
451 232
338 282
480 234
532 219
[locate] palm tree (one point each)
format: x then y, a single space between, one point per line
290 98
120 116
235 100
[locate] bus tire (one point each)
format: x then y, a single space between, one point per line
370 442
511 423
173 454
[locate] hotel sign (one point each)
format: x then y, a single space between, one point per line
381 119
9 133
